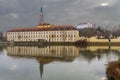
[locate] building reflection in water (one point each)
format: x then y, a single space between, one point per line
48 54
49 51
45 55
42 62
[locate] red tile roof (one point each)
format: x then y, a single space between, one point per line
53 28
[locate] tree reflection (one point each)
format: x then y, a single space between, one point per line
90 55
1 48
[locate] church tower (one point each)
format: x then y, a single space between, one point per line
42 23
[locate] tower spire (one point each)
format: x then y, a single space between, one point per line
42 23
41 69
41 10
41 15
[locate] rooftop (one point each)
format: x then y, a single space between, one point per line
43 24
53 28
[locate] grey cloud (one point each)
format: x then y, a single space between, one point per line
18 6
58 12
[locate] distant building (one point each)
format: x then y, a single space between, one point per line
86 25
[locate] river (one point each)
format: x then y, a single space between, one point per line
56 62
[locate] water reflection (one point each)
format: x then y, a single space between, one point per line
48 54
1 48
45 55
66 53
59 52
98 52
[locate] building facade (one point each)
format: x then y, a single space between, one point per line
44 32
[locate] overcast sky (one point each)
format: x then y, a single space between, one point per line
25 13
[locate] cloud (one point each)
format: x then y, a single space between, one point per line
26 12
13 16
104 4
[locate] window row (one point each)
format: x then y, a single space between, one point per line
58 39
43 32
45 36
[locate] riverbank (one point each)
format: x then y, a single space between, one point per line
104 43
61 43
5 43
91 43
69 43
43 43
108 42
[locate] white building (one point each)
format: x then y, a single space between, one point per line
86 25
44 32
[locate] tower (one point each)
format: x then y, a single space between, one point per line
42 23
41 15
